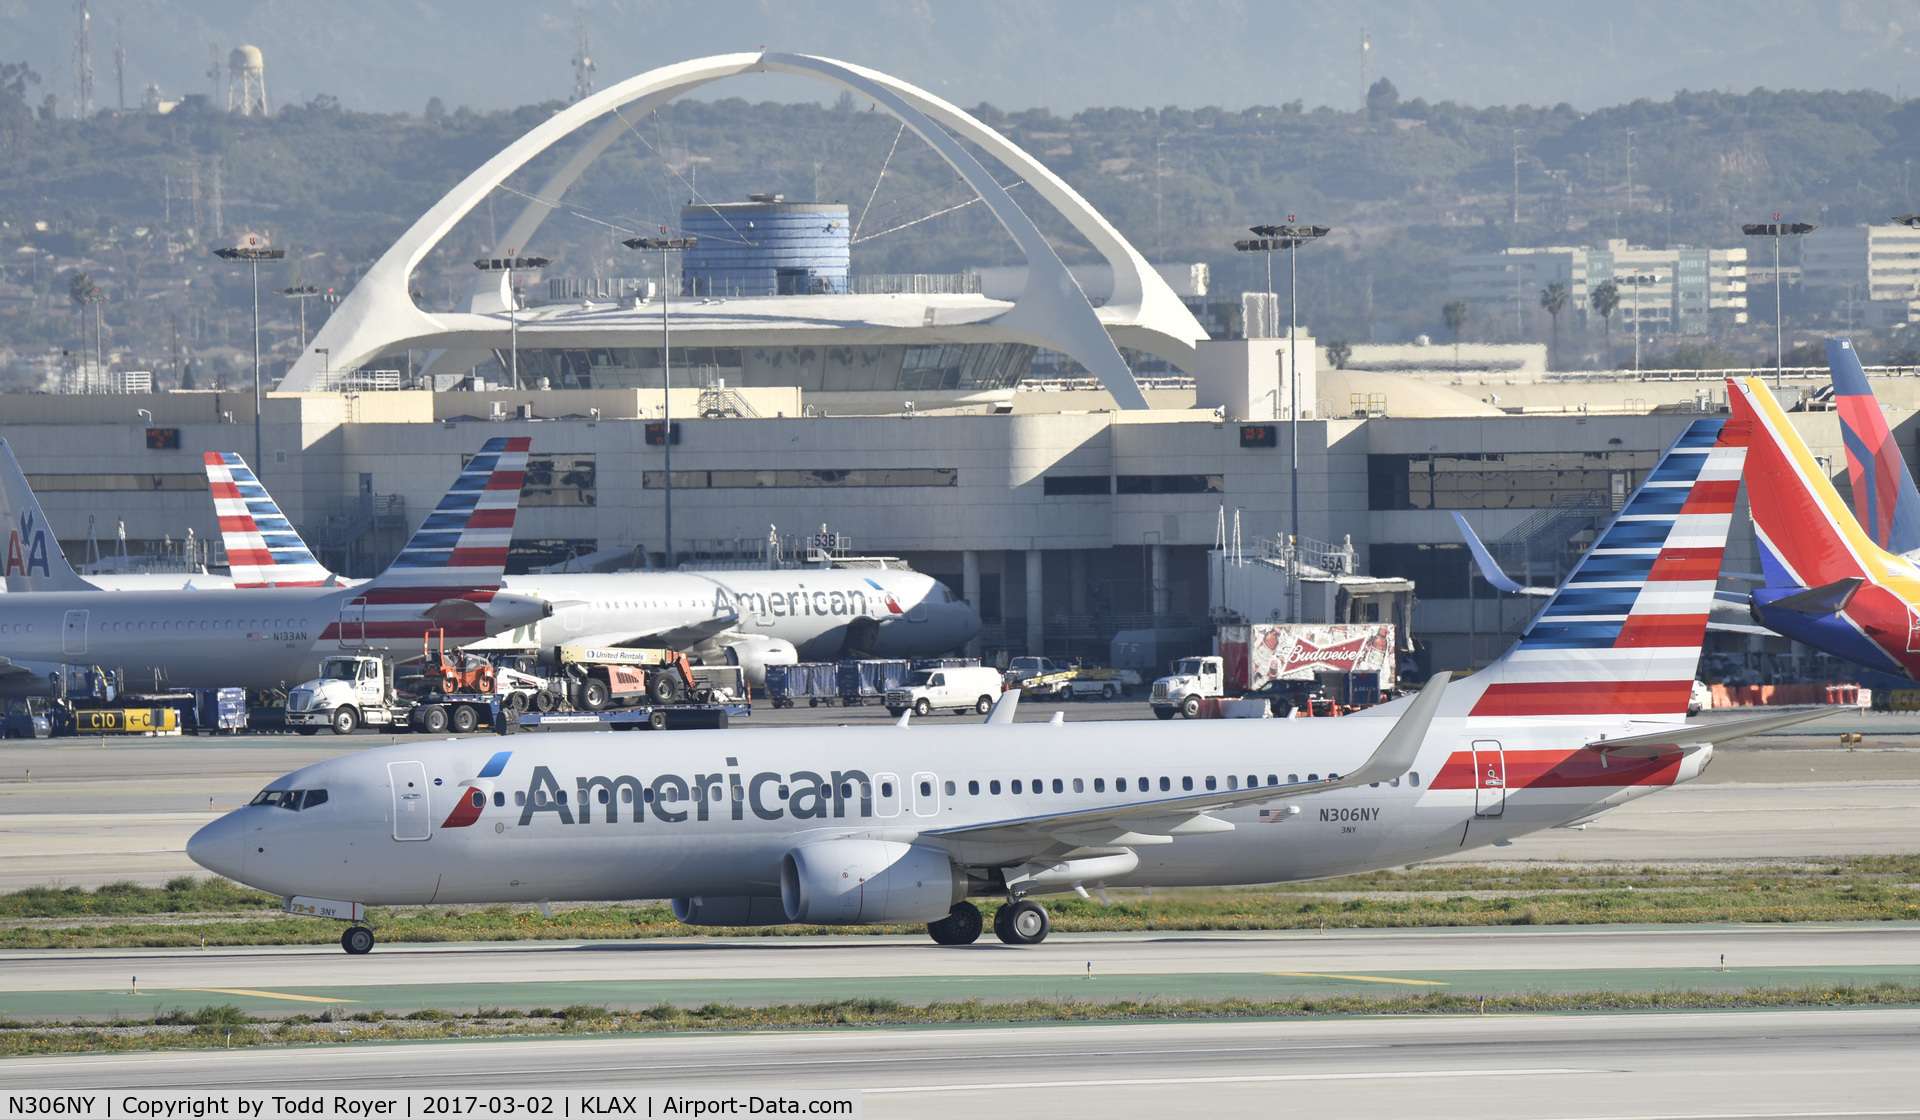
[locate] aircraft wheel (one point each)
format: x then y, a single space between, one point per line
1190 707
983 705
921 707
1023 923
308 730
961 926
594 694
463 719
357 940
344 720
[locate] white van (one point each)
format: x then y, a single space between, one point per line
962 690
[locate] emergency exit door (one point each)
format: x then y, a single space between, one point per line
1489 778
73 636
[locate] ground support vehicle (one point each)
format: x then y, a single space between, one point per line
674 717
1194 681
595 678
815 682
217 710
960 690
29 717
869 679
354 691
1044 678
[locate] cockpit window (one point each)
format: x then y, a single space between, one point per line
294 799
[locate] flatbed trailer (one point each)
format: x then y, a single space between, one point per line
670 717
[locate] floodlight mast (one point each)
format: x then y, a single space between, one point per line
510 264
253 253
665 245
1272 238
301 293
1777 229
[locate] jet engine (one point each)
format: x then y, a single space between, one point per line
854 881
756 654
730 910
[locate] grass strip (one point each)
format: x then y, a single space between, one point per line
217 912
224 1025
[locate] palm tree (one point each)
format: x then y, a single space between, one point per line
1605 299
1455 314
1554 298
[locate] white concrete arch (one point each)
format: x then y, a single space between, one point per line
378 316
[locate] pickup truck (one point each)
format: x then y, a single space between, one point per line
1044 677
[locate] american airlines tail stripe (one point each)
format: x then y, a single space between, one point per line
1555 698
1551 769
371 630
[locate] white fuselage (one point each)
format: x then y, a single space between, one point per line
1465 790
826 613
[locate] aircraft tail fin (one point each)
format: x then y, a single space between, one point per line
463 543
34 561
263 547
1807 536
1884 500
1621 635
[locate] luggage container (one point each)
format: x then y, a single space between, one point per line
219 709
860 681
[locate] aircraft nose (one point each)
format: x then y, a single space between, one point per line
219 847
969 621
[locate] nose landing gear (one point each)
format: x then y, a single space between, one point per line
357 940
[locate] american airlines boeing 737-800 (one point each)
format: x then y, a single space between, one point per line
747 618
905 824
446 578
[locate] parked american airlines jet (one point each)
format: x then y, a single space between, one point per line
447 577
904 824
747 618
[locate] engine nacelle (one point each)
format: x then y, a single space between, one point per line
756 654
868 882
730 910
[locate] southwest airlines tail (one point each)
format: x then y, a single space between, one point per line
263 548
34 560
1884 499
1621 636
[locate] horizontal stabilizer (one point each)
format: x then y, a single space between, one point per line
1693 736
1831 598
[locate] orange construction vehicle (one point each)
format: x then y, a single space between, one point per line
602 677
456 672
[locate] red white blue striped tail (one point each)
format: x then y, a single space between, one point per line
1622 635
463 543
263 548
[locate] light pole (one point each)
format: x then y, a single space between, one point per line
253 252
1636 281
665 245
510 264
302 293
1290 237
1777 229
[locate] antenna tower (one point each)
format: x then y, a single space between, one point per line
119 66
1366 48
583 66
82 59
214 70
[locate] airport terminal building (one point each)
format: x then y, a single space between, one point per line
904 422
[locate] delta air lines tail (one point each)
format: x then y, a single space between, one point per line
1888 508
1828 582
263 548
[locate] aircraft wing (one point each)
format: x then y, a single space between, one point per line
1159 821
9 671
1489 570
1691 737
679 636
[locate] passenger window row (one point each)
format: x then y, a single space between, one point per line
295 799
201 624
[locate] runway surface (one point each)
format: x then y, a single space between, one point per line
95 814
1084 967
1696 1065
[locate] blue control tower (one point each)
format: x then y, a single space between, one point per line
766 246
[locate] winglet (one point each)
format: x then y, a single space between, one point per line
34 561
1489 570
1003 708
1397 752
263 547
904 717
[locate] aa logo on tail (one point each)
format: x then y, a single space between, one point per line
27 549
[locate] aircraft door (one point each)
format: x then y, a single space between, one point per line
886 795
926 794
412 816
73 636
1490 778
353 623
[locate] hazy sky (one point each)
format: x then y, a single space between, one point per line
1065 55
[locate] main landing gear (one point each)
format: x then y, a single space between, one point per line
1018 923
357 940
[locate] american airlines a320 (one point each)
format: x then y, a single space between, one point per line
659 559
